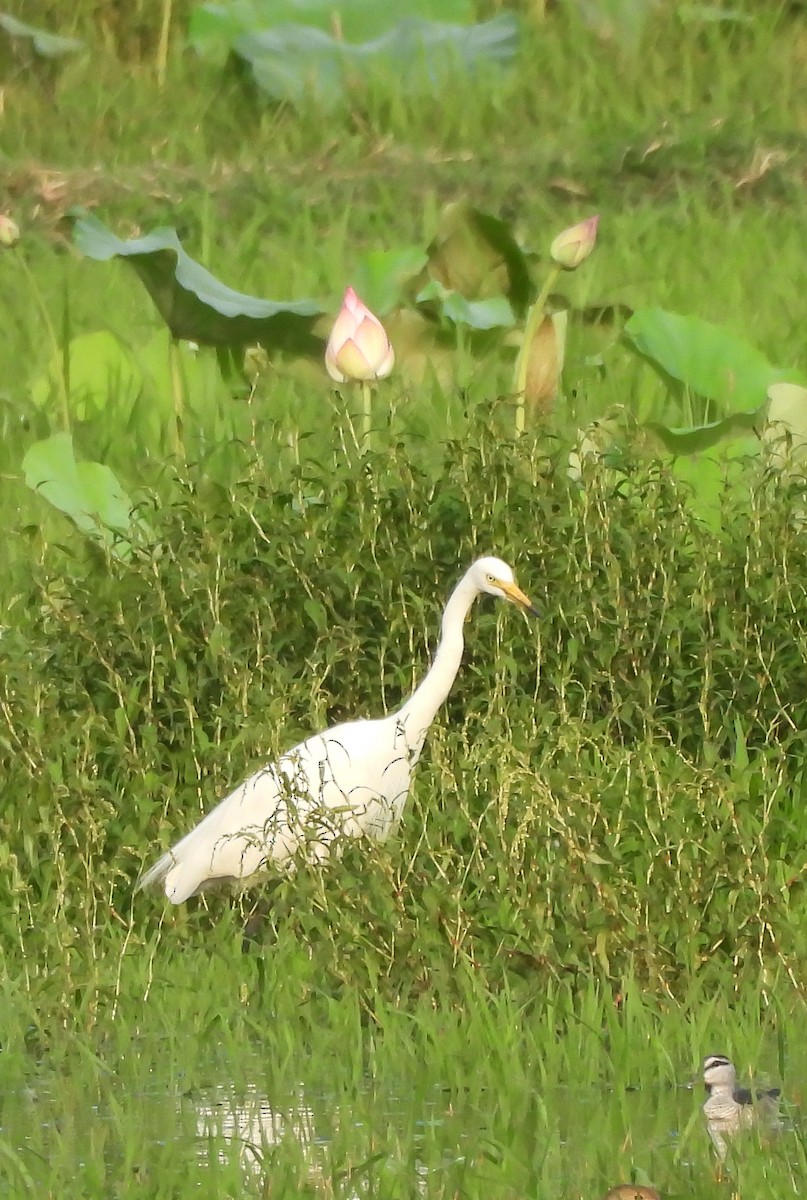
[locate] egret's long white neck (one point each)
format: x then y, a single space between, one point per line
420 709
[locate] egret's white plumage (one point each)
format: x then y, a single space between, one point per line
351 780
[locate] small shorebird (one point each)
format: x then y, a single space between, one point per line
730 1109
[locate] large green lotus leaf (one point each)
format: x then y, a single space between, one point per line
710 361
708 464
88 493
199 377
46 45
152 419
476 255
297 63
214 27
711 474
194 304
101 372
381 276
698 438
492 313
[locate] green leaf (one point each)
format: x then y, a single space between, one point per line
316 613
46 45
153 414
710 361
193 303
88 493
381 276
476 255
493 313
213 27
297 64
356 20
710 475
100 371
740 757
698 438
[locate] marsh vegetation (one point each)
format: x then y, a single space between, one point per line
600 875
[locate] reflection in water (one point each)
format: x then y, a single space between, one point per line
249 1126
361 1136
246 1126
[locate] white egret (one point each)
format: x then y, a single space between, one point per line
352 780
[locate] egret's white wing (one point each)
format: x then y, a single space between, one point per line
351 780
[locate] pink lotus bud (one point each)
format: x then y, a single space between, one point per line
358 347
573 246
9 231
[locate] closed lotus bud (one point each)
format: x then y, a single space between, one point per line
9 231
573 246
358 347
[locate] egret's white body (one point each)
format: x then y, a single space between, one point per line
349 781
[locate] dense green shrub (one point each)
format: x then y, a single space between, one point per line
619 784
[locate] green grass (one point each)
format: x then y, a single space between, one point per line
600 876
565 1093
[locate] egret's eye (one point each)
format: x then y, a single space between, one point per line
490 578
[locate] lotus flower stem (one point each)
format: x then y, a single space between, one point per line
367 413
534 318
178 392
162 45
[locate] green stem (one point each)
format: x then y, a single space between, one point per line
178 390
162 45
367 412
534 318
58 350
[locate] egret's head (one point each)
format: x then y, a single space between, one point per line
718 1071
495 577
